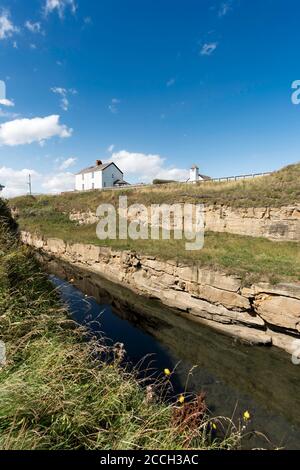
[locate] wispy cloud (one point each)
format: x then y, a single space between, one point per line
87 20
8 114
33 27
60 6
63 93
171 82
208 48
113 106
67 163
7 28
224 9
111 148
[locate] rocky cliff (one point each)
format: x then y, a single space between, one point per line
262 314
277 224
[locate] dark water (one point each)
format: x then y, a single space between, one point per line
235 377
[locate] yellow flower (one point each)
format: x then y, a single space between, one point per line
167 372
214 426
181 399
246 416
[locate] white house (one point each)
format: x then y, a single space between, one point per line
102 175
196 176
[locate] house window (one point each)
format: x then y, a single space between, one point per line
83 187
104 185
112 175
93 175
82 176
93 185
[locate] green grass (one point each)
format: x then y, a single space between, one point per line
251 258
276 190
59 391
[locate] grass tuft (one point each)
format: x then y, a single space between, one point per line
58 390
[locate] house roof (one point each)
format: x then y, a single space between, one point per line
204 177
94 168
121 183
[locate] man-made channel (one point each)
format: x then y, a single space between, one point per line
234 376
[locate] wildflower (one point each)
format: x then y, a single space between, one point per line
246 416
214 426
71 281
181 399
167 372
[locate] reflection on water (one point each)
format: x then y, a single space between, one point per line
235 377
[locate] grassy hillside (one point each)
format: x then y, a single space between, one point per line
279 189
251 258
59 391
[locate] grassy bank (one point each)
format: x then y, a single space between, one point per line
58 391
278 189
251 258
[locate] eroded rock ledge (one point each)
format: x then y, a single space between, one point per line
263 314
277 224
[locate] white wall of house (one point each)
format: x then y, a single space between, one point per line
194 174
98 179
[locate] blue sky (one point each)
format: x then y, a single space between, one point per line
153 85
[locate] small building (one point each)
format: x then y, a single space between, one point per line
99 176
195 176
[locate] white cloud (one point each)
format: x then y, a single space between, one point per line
113 106
6 102
137 167
63 181
63 93
7 28
208 49
33 27
15 182
67 163
111 148
60 6
146 167
27 131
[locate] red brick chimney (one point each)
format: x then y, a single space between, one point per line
98 162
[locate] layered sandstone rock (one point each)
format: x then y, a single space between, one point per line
261 314
277 224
